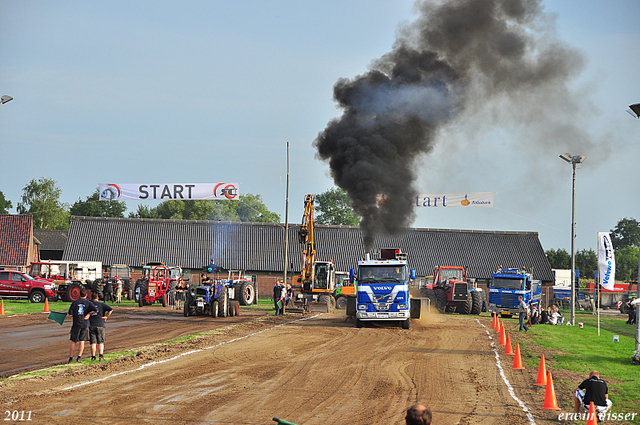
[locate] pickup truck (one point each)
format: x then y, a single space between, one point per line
15 284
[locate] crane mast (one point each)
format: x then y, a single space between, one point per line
307 238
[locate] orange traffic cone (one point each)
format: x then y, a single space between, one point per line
497 327
494 321
46 305
1 307
550 401
542 373
508 350
517 361
591 417
503 339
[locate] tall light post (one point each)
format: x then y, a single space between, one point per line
635 108
573 160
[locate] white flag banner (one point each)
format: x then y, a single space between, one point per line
450 200
606 261
170 191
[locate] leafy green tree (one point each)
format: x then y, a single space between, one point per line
586 262
248 208
559 259
41 199
5 204
144 211
335 208
93 207
627 263
626 233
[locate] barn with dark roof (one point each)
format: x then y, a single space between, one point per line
258 248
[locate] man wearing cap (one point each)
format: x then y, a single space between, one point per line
80 310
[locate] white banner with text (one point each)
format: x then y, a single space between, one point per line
450 200
606 261
169 191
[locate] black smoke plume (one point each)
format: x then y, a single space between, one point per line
456 53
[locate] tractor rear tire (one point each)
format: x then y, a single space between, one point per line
406 324
341 302
223 303
246 294
232 310
430 294
235 306
144 290
73 293
476 302
164 300
186 310
131 288
214 309
441 299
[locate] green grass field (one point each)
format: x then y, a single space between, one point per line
25 306
582 350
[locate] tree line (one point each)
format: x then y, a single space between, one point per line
625 237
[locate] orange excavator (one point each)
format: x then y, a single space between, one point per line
317 282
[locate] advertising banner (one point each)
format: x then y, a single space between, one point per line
169 191
606 261
450 200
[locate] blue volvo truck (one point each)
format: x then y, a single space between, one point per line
505 288
383 290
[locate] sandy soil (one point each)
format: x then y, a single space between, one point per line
307 370
31 342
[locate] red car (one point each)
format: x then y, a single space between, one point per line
14 284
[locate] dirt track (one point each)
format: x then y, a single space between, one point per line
319 370
30 341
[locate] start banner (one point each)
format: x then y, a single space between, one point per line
449 200
606 261
169 191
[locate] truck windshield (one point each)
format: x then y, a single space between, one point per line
368 274
505 283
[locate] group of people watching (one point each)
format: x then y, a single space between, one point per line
550 316
281 295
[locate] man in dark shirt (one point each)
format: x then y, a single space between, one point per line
97 326
593 390
80 310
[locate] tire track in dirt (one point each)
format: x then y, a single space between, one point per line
316 371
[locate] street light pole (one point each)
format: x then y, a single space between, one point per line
635 108
573 160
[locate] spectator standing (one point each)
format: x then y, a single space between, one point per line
523 313
592 389
97 326
80 310
418 414
277 298
119 288
289 298
108 290
179 294
631 308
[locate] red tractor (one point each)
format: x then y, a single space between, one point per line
157 280
452 291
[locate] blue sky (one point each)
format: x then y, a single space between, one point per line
211 91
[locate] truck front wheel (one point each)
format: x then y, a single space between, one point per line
36 296
406 324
